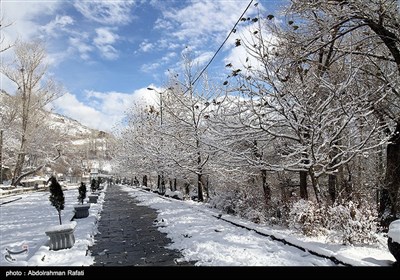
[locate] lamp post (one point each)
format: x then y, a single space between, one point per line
160 181
161 107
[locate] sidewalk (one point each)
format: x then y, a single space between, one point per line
128 237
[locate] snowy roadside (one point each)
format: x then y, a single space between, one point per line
193 228
23 226
176 222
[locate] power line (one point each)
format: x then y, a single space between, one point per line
220 47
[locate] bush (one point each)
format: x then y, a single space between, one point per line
82 192
352 223
93 185
307 217
346 223
245 203
56 196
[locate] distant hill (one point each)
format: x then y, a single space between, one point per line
73 127
83 148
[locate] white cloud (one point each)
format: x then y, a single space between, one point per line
70 106
110 101
150 67
145 96
60 22
103 110
56 58
7 85
199 24
168 57
25 18
22 17
105 36
106 12
108 52
167 44
203 58
145 46
202 20
163 24
104 40
81 46
238 55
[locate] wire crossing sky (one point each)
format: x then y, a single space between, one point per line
106 53
223 43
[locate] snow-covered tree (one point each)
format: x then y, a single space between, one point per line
315 102
139 149
5 45
370 30
34 90
185 130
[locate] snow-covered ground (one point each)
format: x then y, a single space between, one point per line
25 220
195 231
192 227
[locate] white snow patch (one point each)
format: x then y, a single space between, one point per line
394 231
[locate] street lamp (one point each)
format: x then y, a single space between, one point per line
161 107
160 181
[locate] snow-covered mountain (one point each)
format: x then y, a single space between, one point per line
82 148
90 148
73 127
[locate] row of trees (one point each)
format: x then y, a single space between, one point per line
313 111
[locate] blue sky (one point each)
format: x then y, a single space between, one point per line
106 53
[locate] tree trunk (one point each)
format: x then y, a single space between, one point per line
206 187
266 187
303 185
200 187
316 188
162 183
199 173
186 188
303 174
332 187
33 171
174 184
384 204
388 207
22 150
18 167
349 184
344 185
59 216
380 180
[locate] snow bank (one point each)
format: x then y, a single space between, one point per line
64 227
170 193
394 231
